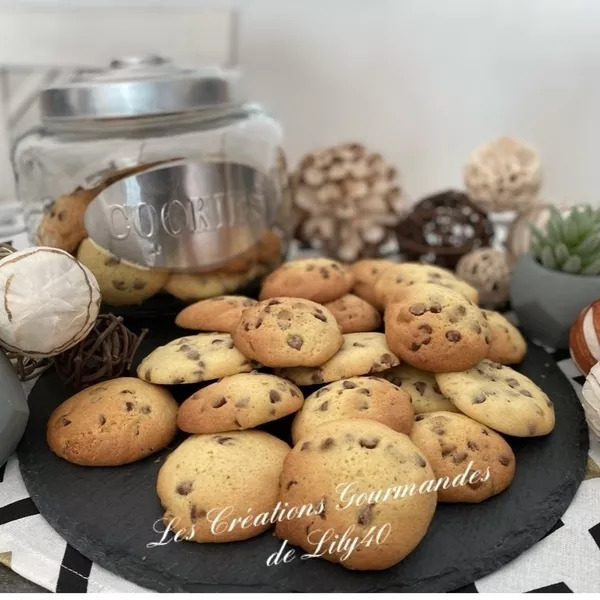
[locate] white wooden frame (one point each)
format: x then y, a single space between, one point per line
49 41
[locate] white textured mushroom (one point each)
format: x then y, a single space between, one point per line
50 301
591 399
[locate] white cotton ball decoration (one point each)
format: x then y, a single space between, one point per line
50 301
591 399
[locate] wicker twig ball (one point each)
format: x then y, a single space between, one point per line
347 201
504 174
441 228
105 353
487 270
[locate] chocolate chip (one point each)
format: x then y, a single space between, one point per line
513 383
324 406
426 328
101 420
420 387
549 402
477 328
119 285
285 315
495 365
139 284
196 514
295 342
437 390
447 449
358 345
322 391
472 445
192 354
348 385
419 417
363 405
184 488
237 423
64 421
479 399
317 377
531 429
242 403
460 457
414 346
438 430
305 446
290 484
324 273
485 431
273 302
526 393
504 460
420 461
461 309
178 380
487 340
475 484
128 406
224 440
246 326
148 375
219 402
326 443
320 316
369 443
453 336
365 515
310 267
274 396
435 308
126 391
146 410
387 359
417 309
365 391
111 261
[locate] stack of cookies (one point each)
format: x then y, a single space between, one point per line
409 395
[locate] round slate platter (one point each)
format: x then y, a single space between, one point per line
108 513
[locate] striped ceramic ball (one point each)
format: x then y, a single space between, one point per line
584 338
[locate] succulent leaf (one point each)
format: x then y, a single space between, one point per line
547 258
561 253
572 265
592 269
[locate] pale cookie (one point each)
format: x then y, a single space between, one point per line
436 329
392 284
120 283
357 476
421 386
194 358
318 279
221 313
354 314
113 423
240 401
357 397
361 354
211 482
365 274
472 461
288 332
508 345
500 398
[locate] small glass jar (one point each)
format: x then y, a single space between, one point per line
162 180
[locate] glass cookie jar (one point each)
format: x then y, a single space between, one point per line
162 180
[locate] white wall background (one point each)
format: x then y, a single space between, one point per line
425 81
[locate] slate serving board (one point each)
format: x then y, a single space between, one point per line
108 513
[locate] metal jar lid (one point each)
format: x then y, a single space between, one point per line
140 86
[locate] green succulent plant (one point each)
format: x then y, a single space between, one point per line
571 241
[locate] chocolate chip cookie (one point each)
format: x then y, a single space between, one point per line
365 274
421 386
211 482
240 401
508 345
318 279
360 354
194 358
354 314
221 313
392 283
120 283
113 423
357 475
288 332
451 442
356 397
500 398
436 329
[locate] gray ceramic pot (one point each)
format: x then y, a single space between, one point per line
547 302
14 411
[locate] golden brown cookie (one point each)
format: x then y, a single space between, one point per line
455 445
356 397
436 329
286 332
360 476
421 386
113 423
500 398
212 482
365 274
318 279
240 401
121 284
392 283
354 314
194 358
360 354
62 224
508 345
220 313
